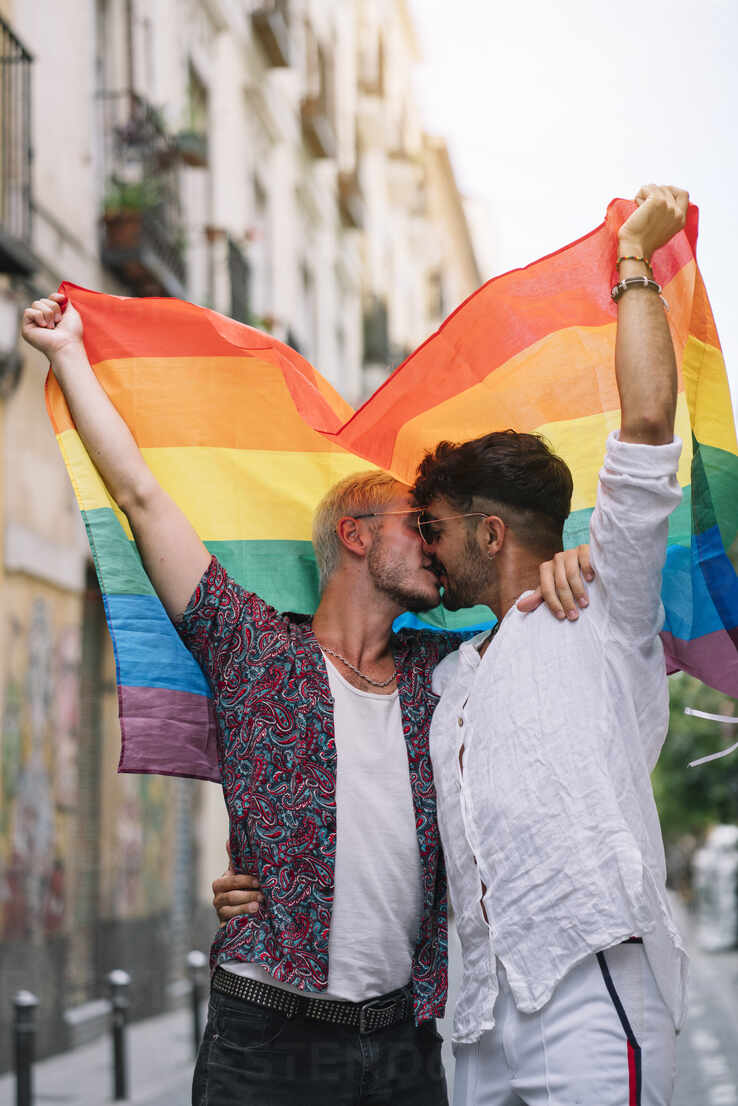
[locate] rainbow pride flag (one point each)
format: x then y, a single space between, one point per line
224 416
247 436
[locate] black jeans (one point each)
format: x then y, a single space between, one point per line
252 1055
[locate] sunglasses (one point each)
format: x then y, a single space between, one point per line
426 523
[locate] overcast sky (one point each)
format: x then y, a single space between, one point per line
550 110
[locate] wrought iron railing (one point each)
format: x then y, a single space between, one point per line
16 210
376 331
141 173
239 272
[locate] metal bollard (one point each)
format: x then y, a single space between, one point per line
119 982
25 1031
196 962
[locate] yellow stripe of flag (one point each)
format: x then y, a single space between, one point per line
227 494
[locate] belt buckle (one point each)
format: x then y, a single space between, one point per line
374 1005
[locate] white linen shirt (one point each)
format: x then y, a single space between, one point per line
562 724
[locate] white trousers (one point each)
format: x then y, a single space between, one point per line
605 1038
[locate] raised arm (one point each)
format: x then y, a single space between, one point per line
173 555
645 364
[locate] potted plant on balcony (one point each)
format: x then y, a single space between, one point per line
192 147
124 206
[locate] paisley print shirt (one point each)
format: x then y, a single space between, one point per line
277 752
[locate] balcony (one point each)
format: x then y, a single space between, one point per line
193 148
350 200
401 149
239 273
376 332
191 143
317 127
16 256
272 31
371 70
138 246
141 229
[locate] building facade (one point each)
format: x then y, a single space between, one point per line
265 159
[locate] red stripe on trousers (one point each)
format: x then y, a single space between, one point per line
632 1100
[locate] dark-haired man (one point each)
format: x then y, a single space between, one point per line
545 736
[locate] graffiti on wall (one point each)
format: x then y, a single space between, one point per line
141 862
42 813
39 780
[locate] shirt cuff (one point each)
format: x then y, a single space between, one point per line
638 459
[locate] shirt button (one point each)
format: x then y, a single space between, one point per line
460 720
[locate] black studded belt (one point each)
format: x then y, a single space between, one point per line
367 1017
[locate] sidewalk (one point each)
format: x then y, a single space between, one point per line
160 1063
160 1049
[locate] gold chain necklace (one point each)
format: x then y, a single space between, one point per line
369 680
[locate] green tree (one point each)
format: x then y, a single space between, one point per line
690 800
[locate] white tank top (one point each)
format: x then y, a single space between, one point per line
378 896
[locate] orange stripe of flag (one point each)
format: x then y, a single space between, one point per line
231 402
522 389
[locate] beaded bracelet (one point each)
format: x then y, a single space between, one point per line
630 257
622 286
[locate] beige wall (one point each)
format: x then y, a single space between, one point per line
6 11
61 38
416 233
280 204
456 258
44 535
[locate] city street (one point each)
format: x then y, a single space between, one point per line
707 1051
269 262
161 1048
160 1068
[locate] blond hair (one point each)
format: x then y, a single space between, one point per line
358 494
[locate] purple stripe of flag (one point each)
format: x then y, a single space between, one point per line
167 732
714 653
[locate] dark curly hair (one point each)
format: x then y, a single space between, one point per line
516 476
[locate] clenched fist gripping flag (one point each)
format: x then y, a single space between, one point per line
246 437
